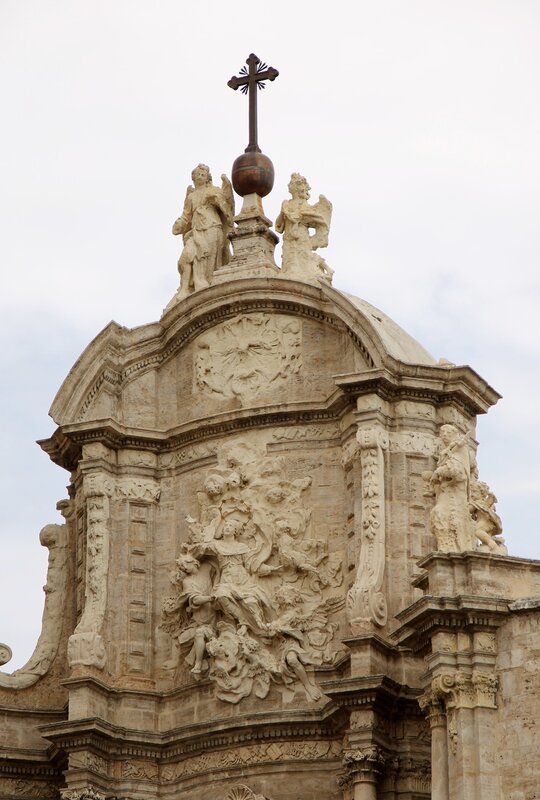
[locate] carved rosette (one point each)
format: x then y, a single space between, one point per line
5 653
366 604
242 792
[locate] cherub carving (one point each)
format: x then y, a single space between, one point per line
206 220
295 221
234 604
487 523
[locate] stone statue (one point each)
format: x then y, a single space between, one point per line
295 220
450 483
206 220
236 593
295 652
248 587
487 523
189 615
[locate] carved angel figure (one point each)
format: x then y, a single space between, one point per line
295 221
206 220
487 523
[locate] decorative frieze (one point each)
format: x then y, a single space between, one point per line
314 750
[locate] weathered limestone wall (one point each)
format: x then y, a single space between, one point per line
518 730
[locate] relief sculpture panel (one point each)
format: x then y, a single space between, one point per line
250 605
248 354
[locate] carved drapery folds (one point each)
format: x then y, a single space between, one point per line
295 221
366 604
86 646
248 354
464 511
54 537
248 609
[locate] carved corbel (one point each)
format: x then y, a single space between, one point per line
366 604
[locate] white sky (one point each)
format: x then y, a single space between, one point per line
419 120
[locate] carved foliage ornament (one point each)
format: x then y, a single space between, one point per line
248 354
365 601
248 609
264 752
242 792
464 690
81 794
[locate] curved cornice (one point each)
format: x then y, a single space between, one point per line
118 354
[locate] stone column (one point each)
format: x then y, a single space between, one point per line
470 700
364 767
436 715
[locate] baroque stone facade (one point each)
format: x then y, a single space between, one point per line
279 572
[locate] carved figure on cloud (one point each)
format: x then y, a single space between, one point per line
464 509
206 220
295 221
248 609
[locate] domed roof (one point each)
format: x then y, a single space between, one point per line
397 342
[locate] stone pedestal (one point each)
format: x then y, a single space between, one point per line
253 244
462 624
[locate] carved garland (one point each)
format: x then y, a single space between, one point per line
365 601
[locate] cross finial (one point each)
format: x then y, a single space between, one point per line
249 80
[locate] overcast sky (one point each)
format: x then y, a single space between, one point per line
419 120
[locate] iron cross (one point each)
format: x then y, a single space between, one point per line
249 80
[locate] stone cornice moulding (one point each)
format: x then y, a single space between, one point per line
64 446
438 384
118 353
428 615
114 740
